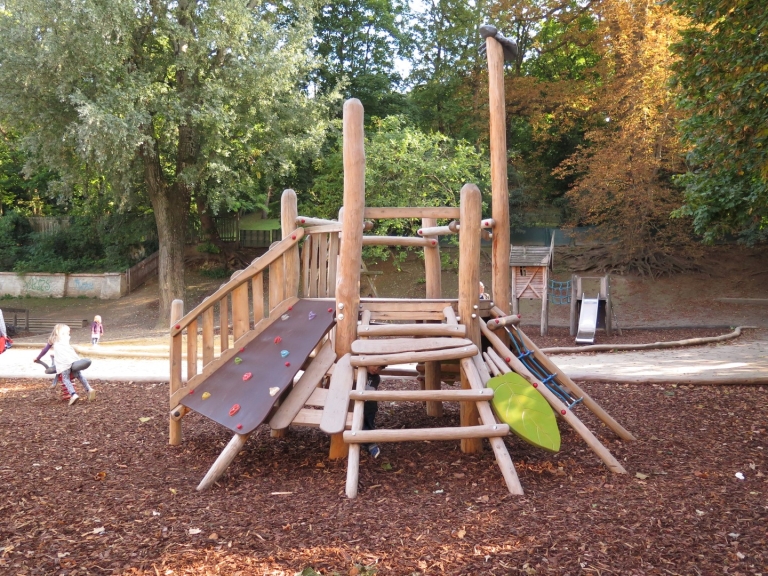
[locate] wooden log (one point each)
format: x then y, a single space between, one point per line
477 382
224 323
577 391
648 346
306 263
307 221
276 283
257 292
412 330
303 389
398 241
223 461
208 337
433 276
288 215
191 349
353 459
469 296
410 357
179 412
350 260
427 231
402 345
498 323
322 266
499 186
426 434
484 394
491 364
412 212
560 409
333 262
319 230
337 402
241 311
174 384
311 417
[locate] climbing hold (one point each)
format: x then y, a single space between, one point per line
535 384
178 326
278 339
287 363
290 307
242 349
311 315
247 376
239 426
206 395
191 392
234 410
274 390
330 309
238 360
562 412
284 317
284 353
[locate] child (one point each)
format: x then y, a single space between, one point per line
96 330
65 355
370 408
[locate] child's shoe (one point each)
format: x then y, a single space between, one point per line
73 399
91 395
374 450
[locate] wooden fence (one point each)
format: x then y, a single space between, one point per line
136 275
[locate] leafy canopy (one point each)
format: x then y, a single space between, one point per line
723 80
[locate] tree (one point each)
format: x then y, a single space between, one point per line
193 101
358 41
721 75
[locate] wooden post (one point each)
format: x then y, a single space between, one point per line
469 294
434 290
289 211
223 461
545 303
174 427
574 308
351 256
499 185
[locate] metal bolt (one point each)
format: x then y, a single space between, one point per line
340 316
474 315
341 305
475 306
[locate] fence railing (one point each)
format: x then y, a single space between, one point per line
137 274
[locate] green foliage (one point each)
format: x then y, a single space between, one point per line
404 167
722 74
15 232
22 193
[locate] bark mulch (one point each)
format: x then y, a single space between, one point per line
95 489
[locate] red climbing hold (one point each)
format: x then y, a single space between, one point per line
239 426
287 363
507 359
535 385
330 309
191 392
247 376
234 410
242 349
290 307
278 339
178 326
562 412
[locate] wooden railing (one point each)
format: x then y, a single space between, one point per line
236 311
137 274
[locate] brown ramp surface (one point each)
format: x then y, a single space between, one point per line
271 371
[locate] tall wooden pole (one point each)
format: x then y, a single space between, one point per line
177 312
351 250
499 186
469 295
434 290
289 211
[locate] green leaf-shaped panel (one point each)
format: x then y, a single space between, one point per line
528 414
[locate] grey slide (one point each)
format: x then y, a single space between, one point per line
587 320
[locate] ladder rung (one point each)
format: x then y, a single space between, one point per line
400 345
486 394
412 330
418 434
410 357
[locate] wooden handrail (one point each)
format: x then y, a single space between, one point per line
258 265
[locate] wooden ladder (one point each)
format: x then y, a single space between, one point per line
407 343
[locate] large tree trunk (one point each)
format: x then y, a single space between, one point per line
171 208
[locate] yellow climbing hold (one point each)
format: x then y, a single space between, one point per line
206 395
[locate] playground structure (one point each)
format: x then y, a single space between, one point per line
529 268
249 374
592 313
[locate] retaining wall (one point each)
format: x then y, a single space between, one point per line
108 286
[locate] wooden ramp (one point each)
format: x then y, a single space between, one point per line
427 343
